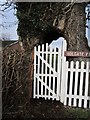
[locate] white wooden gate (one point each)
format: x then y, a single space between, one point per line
47 71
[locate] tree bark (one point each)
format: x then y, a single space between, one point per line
75 31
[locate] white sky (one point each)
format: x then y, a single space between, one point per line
88 24
57 43
2 1
10 22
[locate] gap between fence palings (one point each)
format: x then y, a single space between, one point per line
77 89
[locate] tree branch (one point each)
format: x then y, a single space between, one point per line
6 5
68 8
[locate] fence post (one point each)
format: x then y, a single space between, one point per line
63 73
34 84
59 74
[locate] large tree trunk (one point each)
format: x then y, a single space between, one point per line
75 31
28 51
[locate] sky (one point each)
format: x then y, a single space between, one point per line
10 23
88 24
57 43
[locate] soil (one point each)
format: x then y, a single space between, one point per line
42 109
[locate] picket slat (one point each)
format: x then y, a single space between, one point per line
76 82
59 71
54 65
81 83
46 70
38 72
66 85
63 74
86 85
50 62
34 90
42 70
71 81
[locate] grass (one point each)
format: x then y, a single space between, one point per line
78 113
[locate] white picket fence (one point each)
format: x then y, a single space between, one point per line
56 78
77 84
